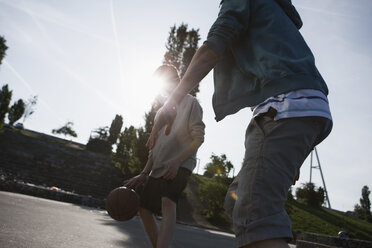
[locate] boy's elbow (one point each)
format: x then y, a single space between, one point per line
197 133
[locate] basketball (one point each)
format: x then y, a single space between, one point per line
122 204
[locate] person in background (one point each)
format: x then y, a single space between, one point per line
170 163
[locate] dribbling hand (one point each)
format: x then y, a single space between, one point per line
135 182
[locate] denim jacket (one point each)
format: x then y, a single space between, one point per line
262 54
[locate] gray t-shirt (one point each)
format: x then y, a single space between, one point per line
187 126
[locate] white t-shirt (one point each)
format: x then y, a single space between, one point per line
187 126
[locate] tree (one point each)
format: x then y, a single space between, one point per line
99 146
359 211
101 133
181 47
16 111
310 195
365 203
219 166
140 150
150 116
103 138
115 128
363 210
131 153
149 120
66 130
3 48
125 152
213 193
5 97
30 107
98 142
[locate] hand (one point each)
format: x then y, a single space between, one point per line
165 118
135 181
171 169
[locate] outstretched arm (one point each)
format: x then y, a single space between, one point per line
201 64
204 60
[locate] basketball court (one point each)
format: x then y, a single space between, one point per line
32 222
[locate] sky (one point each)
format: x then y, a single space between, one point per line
88 60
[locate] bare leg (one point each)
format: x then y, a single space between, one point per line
168 223
149 224
272 243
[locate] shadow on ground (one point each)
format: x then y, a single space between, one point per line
184 236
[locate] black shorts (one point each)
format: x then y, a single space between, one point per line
156 188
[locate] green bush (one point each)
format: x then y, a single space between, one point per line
16 111
213 192
99 146
310 195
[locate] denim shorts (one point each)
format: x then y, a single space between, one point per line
275 151
156 188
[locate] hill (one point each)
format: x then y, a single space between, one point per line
327 221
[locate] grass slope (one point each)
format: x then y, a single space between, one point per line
328 222
307 219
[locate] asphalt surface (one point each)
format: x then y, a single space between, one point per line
32 222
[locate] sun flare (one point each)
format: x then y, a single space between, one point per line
146 88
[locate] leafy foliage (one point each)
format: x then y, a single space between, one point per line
181 47
213 189
5 97
101 133
115 129
213 193
98 142
3 48
363 211
30 107
99 146
311 196
66 130
131 153
219 166
141 151
16 111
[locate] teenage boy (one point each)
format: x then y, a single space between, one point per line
170 163
261 61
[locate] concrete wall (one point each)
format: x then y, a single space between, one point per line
44 160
